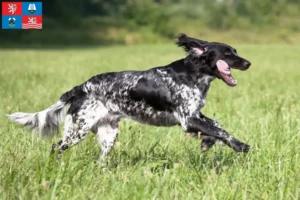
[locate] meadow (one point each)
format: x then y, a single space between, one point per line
154 162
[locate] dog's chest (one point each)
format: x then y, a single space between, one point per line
192 99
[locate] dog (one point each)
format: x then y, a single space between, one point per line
162 96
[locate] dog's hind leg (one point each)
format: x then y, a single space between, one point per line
106 136
74 133
68 130
78 125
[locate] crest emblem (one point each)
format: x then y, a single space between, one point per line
31 8
32 22
12 8
11 21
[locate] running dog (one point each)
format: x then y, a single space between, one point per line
162 96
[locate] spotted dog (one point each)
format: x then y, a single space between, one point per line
162 96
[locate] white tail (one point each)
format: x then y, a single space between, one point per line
44 123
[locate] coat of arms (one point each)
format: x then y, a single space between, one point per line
31 8
11 21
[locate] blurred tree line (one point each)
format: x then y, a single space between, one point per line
133 21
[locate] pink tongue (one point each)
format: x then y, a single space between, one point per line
223 67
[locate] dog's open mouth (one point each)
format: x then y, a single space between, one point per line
224 71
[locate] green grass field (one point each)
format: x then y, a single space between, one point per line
154 162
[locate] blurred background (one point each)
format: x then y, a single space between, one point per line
94 22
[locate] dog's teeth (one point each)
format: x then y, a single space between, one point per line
234 81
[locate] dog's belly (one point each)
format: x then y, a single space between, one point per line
142 113
155 118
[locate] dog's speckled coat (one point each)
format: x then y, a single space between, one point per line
162 96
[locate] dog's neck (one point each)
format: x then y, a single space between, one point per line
202 72
205 79
192 74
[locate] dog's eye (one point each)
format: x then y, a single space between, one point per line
227 53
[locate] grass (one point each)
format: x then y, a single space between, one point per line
154 162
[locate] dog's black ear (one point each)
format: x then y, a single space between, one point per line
191 45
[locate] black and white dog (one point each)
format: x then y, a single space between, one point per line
163 96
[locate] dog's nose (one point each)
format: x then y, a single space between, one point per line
247 64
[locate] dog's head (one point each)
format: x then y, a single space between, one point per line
218 58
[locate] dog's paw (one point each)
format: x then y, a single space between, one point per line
240 146
207 143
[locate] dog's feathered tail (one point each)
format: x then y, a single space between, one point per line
46 123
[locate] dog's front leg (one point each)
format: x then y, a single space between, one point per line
207 141
207 128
